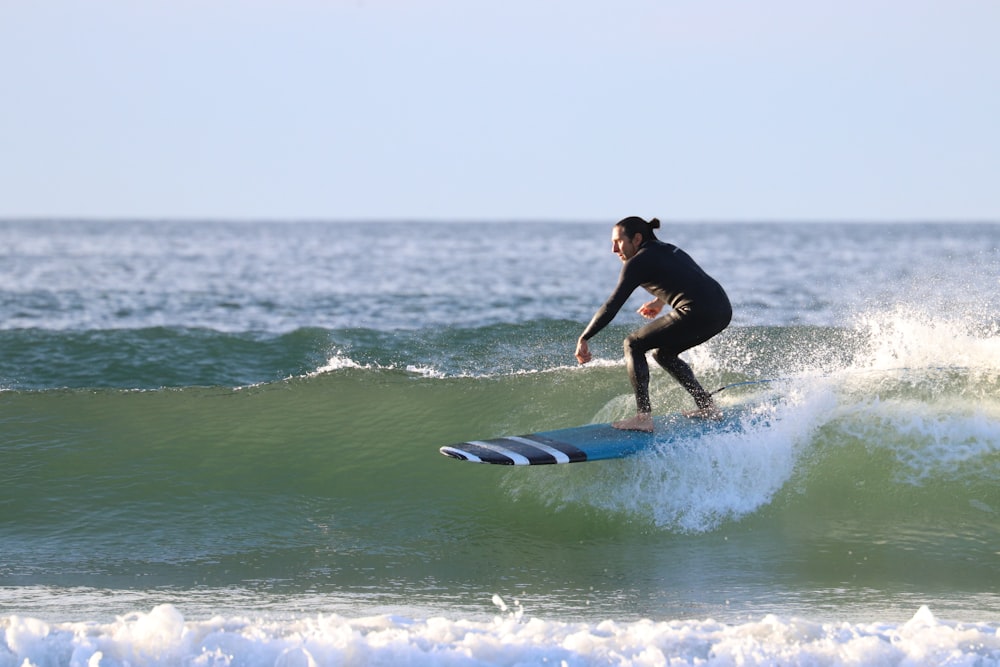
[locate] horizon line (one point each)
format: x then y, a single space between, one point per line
484 220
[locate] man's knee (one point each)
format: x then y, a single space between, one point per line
635 354
631 345
665 358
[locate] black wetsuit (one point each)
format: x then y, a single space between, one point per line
699 310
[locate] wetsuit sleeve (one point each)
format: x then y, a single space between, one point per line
627 283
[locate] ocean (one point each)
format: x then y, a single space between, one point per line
219 446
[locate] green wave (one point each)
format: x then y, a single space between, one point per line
334 481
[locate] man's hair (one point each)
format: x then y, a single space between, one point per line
633 225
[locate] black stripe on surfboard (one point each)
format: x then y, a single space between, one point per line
572 452
517 450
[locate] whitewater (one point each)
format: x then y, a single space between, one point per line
219 446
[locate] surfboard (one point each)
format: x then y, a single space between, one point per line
596 442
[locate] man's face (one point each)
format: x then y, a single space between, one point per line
622 245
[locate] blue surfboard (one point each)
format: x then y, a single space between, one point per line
596 442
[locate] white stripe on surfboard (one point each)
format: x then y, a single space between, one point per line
518 459
560 456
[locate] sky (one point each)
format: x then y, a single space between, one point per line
687 110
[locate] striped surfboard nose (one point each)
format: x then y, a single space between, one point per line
517 451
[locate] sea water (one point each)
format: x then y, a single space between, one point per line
218 446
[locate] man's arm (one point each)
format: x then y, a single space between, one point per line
627 284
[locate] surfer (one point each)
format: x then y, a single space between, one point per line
699 309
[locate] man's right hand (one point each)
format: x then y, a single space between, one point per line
582 351
651 309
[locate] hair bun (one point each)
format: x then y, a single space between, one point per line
654 223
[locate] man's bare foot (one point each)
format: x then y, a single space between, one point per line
641 422
711 412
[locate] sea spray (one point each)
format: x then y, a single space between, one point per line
690 486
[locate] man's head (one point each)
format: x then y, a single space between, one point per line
630 233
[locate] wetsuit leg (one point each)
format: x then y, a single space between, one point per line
669 335
638 371
682 372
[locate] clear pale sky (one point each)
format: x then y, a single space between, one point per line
501 109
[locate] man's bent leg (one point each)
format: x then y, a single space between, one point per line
682 332
685 376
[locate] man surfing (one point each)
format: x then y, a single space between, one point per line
699 309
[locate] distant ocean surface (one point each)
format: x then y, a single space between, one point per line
218 446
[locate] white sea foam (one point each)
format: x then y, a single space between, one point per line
339 362
163 636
